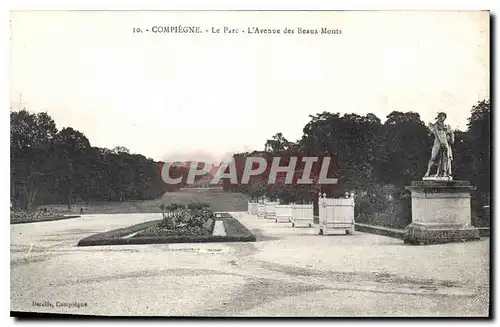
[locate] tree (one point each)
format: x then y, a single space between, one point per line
30 139
70 148
52 166
479 126
277 144
407 145
120 149
353 142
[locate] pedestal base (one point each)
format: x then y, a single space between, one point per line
441 213
420 234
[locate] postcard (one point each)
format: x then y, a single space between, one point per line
192 163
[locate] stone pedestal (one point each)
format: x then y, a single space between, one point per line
441 213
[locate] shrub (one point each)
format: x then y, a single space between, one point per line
198 205
174 207
188 218
384 205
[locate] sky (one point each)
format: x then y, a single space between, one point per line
205 96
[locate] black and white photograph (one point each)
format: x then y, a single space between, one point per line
250 163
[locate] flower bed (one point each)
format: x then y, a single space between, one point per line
193 225
18 216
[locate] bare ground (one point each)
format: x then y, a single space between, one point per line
287 272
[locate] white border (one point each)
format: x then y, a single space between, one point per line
252 5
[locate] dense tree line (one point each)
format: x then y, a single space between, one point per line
61 166
373 159
377 160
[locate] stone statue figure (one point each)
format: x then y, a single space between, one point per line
441 153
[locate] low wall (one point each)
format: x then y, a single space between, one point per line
399 233
379 230
484 231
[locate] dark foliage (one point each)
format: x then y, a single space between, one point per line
372 159
376 161
51 167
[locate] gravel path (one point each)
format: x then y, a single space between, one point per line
287 272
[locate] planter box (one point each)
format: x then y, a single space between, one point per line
271 210
302 215
252 208
261 210
283 213
336 214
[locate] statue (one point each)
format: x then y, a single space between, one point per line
441 151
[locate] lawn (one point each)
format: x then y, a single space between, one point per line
218 200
